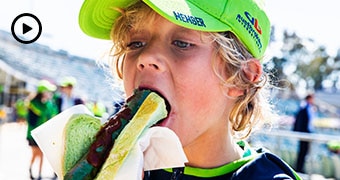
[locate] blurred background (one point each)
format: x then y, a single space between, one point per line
303 57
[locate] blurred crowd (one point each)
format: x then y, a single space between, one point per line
44 103
61 96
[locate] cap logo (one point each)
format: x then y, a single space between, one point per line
189 19
251 25
253 21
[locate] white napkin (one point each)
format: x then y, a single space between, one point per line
157 148
49 136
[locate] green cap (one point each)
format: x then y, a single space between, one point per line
68 81
245 18
45 86
334 145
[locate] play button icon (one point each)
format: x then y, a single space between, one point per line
26 28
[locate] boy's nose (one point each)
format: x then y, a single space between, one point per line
148 65
151 59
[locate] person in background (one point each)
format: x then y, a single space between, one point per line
21 110
334 146
66 98
97 108
3 114
40 109
204 57
304 123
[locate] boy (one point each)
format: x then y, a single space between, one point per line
204 58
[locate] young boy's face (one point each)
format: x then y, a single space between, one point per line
177 62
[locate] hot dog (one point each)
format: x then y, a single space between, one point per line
141 110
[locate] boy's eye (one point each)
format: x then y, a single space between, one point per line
135 45
182 44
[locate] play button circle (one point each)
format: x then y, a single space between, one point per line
26 28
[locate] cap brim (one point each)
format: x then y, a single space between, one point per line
97 16
188 15
222 16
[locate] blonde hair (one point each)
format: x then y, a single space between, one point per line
249 108
254 105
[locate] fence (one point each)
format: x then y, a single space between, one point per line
284 143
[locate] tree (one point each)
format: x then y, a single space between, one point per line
304 64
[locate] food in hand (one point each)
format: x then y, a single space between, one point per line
116 137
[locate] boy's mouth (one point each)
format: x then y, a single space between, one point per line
167 104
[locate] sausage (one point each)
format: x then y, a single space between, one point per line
90 164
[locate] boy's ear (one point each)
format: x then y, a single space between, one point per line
252 70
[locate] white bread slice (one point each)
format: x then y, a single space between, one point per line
151 111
